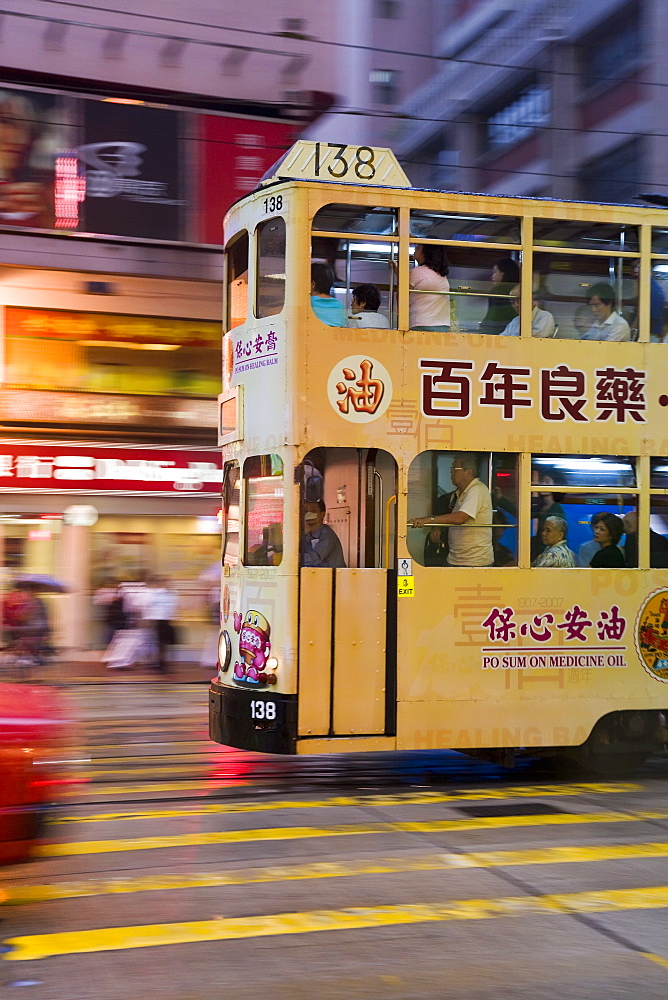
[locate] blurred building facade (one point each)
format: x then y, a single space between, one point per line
530 97
124 136
526 97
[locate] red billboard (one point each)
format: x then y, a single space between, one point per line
47 467
234 154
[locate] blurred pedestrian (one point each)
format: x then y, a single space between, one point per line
159 613
109 598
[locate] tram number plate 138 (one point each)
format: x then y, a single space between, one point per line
265 710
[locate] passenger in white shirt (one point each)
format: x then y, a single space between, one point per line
608 325
470 521
542 321
364 309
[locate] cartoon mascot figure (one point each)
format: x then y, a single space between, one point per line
254 648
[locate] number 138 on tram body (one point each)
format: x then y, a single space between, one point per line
445 496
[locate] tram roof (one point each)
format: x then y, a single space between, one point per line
298 163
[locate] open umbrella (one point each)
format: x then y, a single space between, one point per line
43 581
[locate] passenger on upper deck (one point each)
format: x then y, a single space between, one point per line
328 309
364 309
608 325
470 534
505 275
429 312
542 321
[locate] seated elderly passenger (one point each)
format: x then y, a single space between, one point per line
556 551
608 324
542 321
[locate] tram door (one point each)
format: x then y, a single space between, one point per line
347 606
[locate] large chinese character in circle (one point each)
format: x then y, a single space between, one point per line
359 388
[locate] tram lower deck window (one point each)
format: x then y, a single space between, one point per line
263 488
455 509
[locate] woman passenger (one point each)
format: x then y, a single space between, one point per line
429 312
500 312
608 529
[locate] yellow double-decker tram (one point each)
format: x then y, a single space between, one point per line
445 499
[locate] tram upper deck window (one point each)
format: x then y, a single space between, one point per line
237 281
479 288
231 500
611 236
263 537
591 297
270 284
356 219
458 226
658 323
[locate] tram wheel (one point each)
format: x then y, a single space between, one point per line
618 744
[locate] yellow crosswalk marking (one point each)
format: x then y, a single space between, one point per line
38 946
88 789
400 799
22 893
339 830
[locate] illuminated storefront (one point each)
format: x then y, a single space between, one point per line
90 514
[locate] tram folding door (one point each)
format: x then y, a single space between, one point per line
347 607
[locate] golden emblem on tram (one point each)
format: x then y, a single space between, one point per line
652 635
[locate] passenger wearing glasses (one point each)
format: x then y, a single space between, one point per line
470 521
542 321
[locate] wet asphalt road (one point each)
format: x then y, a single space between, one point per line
174 868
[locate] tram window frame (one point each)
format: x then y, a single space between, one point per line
269 548
357 216
658 512
580 273
574 481
341 249
231 486
268 285
419 229
492 466
234 250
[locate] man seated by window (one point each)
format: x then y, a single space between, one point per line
320 543
470 522
328 309
542 321
608 324
364 309
556 551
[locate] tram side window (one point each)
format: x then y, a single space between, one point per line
231 483
582 510
459 287
658 324
358 290
270 292
237 281
658 515
592 296
263 487
462 509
